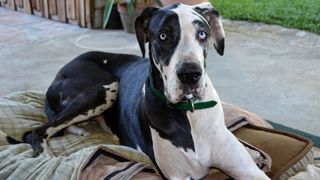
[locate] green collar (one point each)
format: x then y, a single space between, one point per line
189 105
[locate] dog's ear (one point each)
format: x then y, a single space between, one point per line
141 25
212 17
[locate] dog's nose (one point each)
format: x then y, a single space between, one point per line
189 73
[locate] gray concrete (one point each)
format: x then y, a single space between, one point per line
270 70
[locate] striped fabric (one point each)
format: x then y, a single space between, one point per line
22 111
304 166
106 164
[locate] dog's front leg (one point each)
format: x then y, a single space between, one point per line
233 158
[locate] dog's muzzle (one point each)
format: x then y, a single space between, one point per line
189 74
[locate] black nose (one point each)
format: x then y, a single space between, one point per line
189 73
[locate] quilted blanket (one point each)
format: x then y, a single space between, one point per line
97 156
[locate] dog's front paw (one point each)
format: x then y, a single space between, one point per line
35 141
36 144
37 149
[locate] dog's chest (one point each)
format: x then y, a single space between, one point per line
177 162
205 125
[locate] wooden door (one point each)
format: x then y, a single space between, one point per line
10 4
72 16
89 11
82 13
78 12
53 9
23 6
57 10
37 7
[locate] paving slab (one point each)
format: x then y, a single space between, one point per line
270 70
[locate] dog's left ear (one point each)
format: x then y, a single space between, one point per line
141 24
212 17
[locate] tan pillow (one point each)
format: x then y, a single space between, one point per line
289 153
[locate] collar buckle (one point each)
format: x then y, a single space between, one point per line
192 105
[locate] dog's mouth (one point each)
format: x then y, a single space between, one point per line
189 92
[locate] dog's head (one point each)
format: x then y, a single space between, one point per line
179 37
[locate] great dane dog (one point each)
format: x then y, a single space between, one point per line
164 106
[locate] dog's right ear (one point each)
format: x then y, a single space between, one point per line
141 25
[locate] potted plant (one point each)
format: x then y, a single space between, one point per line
111 17
128 10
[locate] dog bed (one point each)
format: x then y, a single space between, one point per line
100 156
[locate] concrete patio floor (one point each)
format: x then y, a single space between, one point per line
270 70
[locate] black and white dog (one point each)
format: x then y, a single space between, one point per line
165 106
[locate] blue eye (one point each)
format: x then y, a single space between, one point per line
163 36
202 35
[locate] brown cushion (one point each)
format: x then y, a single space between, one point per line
285 149
289 153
